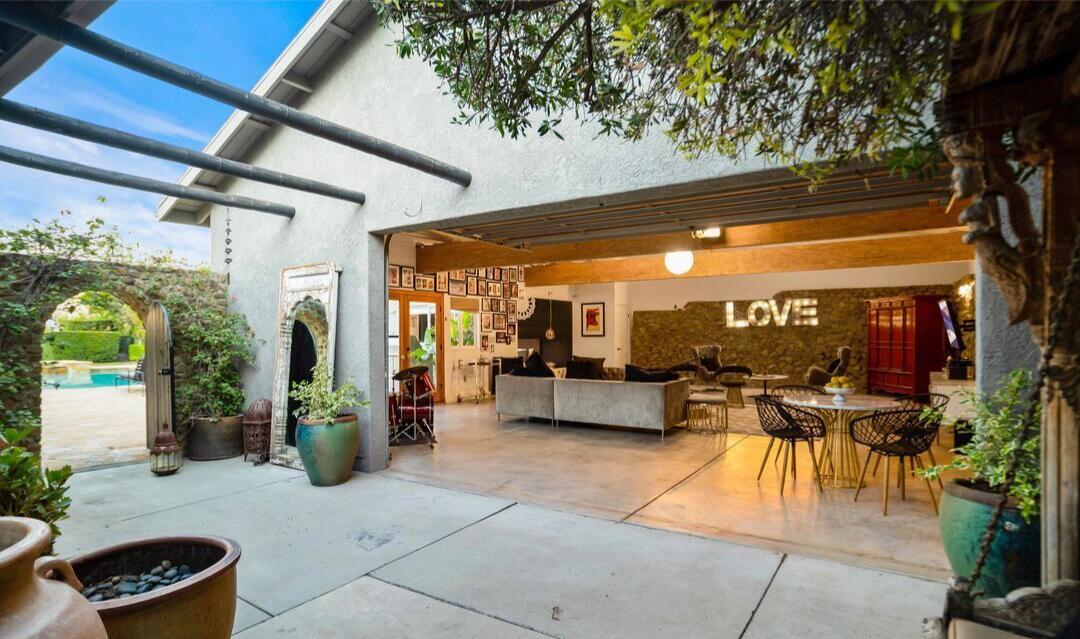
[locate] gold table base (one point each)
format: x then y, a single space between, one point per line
706 417
838 460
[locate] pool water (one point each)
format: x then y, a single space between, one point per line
83 379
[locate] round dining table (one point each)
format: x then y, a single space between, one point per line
838 463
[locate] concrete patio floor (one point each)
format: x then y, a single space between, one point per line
91 427
691 482
384 556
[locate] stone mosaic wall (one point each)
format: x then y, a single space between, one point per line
664 338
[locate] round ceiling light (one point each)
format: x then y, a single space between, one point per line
679 262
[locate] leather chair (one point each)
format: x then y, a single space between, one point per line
817 376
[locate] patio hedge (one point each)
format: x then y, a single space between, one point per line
93 346
136 351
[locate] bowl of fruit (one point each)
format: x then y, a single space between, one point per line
838 387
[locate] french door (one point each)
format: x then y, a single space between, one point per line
415 323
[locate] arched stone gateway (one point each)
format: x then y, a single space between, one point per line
136 286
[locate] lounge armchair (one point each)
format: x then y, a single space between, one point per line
734 378
706 359
817 376
137 376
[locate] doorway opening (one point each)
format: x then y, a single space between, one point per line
93 403
302 360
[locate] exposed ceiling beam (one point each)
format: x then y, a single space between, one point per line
474 254
891 251
30 19
83 130
298 82
338 31
84 172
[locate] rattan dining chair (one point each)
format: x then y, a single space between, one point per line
902 433
790 425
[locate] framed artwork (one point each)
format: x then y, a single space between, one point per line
511 329
470 286
407 276
511 308
470 271
495 289
485 305
393 276
513 273
485 321
442 282
499 322
425 283
457 289
458 274
501 338
485 341
521 273
592 319
504 306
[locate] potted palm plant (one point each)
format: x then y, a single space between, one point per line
968 503
327 437
212 390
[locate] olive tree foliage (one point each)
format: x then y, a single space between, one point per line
812 84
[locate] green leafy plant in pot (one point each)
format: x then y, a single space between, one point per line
221 342
967 504
327 437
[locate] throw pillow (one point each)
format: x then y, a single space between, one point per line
535 367
593 367
638 374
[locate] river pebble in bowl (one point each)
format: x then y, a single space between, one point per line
122 586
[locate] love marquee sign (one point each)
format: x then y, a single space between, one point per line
792 312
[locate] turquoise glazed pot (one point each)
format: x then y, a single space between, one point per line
1014 556
328 450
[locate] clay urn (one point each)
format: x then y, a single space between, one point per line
31 604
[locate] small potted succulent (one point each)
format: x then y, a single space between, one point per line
968 503
327 437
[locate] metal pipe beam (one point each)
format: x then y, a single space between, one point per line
25 17
82 171
72 127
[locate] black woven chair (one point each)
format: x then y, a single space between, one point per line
790 425
905 434
922 401
734 379
796 390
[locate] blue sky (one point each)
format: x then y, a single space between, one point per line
232 41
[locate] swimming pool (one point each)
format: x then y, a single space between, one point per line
84 378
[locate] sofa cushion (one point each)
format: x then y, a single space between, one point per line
596 362
583 369
534 367
638 374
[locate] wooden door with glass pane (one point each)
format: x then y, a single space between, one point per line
415 324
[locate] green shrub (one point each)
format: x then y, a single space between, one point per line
87 324
26 490
93 346
136 351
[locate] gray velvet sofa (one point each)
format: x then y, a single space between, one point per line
639 405
525 396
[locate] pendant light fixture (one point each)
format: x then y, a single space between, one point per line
679 262
550 332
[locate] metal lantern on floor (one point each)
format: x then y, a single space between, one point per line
166 457
257 430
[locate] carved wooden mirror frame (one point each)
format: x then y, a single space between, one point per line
308 294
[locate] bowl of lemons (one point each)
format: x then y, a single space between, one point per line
838 387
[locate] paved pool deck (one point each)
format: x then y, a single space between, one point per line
385 556
91 427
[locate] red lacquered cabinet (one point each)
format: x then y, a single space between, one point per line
905 342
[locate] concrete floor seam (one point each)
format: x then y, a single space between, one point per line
202 501
765 592
464 607
684 479
256 607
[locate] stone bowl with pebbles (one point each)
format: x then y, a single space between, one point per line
164 587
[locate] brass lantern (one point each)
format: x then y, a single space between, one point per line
166 457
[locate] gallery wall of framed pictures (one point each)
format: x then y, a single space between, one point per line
498 289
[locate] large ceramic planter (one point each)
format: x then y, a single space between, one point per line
201 607
215 438
32 606
1014 556
328 450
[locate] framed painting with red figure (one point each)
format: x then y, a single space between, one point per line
592 319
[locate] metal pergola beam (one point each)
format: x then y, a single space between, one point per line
72 127
72 35
82 171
